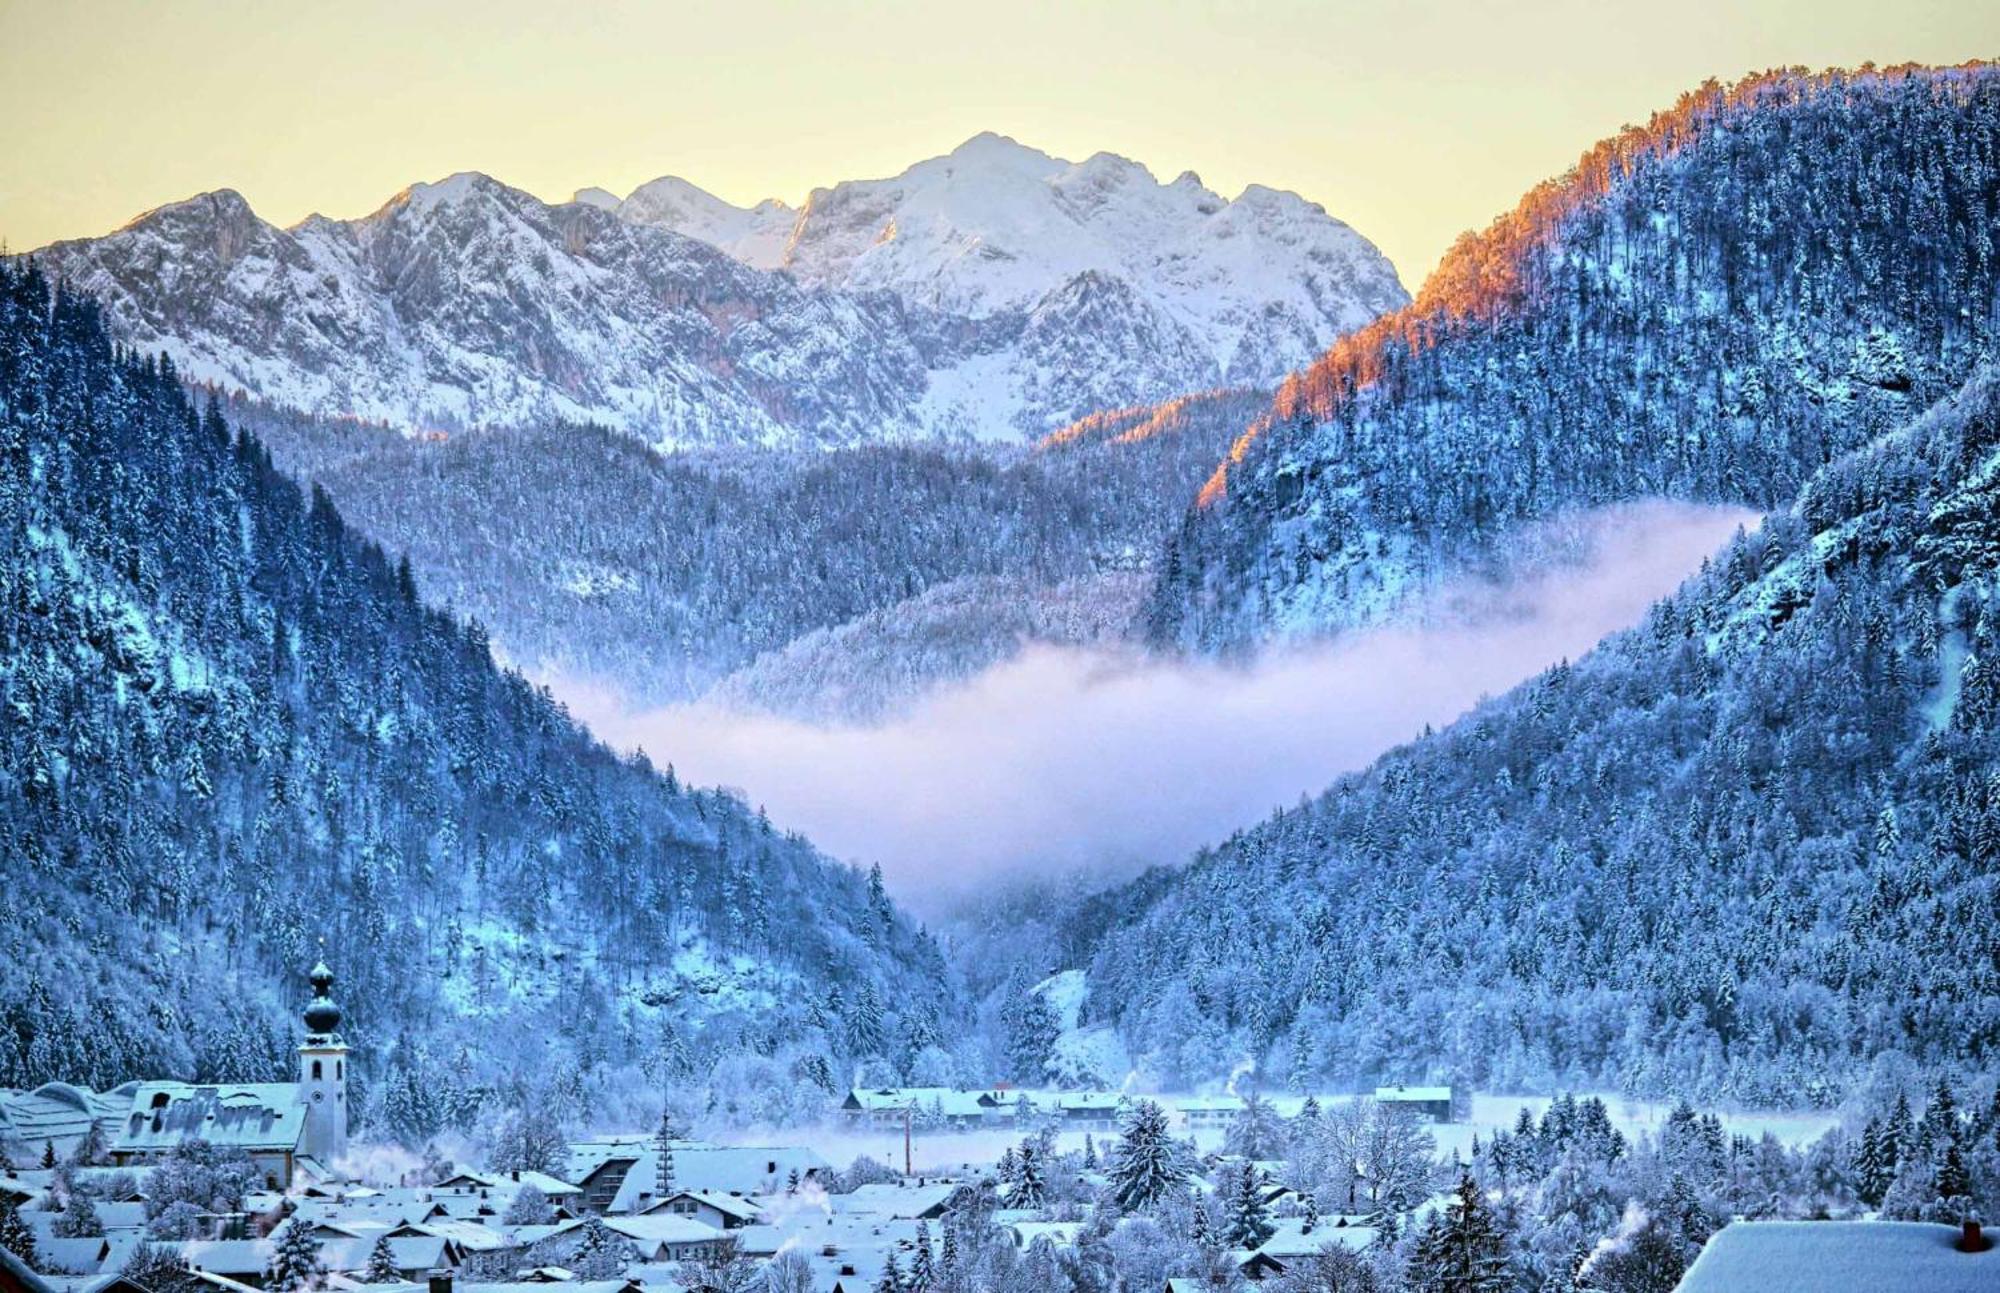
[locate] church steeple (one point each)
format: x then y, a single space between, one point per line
322 1015
323 1074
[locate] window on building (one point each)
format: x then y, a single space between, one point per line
315 1070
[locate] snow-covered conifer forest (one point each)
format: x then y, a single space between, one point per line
311 539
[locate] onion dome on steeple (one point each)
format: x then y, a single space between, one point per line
322 1016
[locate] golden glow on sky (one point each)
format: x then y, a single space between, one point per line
1412 121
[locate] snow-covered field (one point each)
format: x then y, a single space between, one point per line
940 1151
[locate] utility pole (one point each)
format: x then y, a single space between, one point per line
906 1142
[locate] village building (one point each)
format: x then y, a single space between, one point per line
710 1208
1431 1102
286 1128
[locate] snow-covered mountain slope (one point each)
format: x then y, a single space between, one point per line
233 738
1708 307
1258 286
1746 848
468 303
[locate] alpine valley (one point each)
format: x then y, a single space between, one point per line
312 537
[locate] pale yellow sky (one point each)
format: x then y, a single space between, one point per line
1412 121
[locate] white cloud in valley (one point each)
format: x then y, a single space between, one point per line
1064 759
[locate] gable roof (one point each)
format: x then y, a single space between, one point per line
730 1205
247 1116
1839 1257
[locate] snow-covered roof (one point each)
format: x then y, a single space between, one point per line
889 1199
663 1228
1290 1240
57 1113
229 1256
1412 1094
1209 1103
503 1182
247 1116
1839 1257
733 1205
410 1253
954 1103
725 1169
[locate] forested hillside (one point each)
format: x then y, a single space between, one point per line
235 739
1748 850
1708 307
587 554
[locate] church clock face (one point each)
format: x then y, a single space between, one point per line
318 1096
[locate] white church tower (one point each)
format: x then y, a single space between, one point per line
323 1075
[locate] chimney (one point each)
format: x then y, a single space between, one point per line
440 1280
1971 1239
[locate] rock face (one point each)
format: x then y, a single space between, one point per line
993 293
468 303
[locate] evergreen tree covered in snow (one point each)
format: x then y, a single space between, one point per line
295 1263
1147 1165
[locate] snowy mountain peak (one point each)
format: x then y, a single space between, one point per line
996 225
602 199
995 291
754 235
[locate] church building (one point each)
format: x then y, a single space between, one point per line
289 1129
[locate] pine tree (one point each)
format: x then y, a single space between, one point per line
892 1275
295 1261
1874 1165
16 1236
1147 1166
78 1219
48 1156
1089 1153
381 1268
948 1255
1246 1223
1954 1182
1462 1249
599 1254
1030 1181
923 1268
1309 1213
1201 1227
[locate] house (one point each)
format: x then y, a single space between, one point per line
711 1208
620 1175
1291 1242
896 1200
1089 1110
923 1106
1432 1102
1843 1257
667 1238
1208 1110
